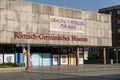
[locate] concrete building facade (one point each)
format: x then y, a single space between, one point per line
26 24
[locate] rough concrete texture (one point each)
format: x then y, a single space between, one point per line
26 17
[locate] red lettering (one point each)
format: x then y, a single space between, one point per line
40 36
17 35
75 38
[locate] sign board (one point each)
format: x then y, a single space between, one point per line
56 59
64 59
9 58
19 35
67 24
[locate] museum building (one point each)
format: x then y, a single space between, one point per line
44 35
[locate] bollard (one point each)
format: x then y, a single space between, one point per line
26 68
111 61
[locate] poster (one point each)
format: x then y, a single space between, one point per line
64 59
81 59
67 24
55 59
9 58
1 58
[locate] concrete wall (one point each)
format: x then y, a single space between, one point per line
26 17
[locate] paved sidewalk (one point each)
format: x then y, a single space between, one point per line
81 72
72 69
13 69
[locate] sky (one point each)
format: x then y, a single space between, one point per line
89 5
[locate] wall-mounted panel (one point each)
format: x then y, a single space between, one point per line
64 59
9 58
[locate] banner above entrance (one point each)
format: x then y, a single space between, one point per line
67 24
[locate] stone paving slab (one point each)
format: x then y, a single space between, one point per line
86 72
81 68
15 69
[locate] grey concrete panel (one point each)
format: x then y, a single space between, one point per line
10 15
17 5
99 17
45 9
43 28
22 6
10 4
55 11
29 17
76 14
9 37
35 17
104 17
29 27
3 3
46 28
3 25
17 26
10 25
23 27
3 36
3 14
17 16
68 13
44 18
28 7
35 27
35 8
61 12
25 17
84 15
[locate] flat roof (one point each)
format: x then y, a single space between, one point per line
110 8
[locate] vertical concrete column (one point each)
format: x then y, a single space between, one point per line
28 54
116 55
104 55
78 51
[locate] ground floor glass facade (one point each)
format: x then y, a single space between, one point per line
54 55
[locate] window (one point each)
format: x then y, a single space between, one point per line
118 41
118 11
9 49
110 13
118 30
1 49
118 21
81 50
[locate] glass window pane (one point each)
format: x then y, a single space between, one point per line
110 13
118 30
118 11
118 21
